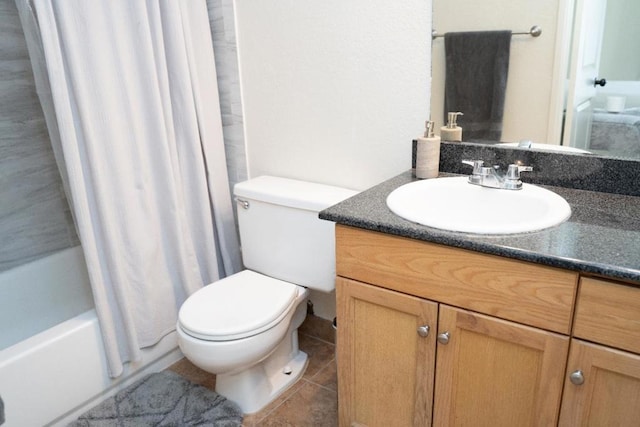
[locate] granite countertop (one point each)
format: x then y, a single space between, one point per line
601 237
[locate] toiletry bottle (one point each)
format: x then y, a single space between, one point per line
452 132
428 153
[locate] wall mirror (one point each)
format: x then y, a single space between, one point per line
551 95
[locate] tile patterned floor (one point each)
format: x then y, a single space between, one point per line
312 401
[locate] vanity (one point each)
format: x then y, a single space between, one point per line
443 328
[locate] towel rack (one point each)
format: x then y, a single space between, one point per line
535 31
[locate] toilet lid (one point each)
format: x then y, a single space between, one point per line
237 306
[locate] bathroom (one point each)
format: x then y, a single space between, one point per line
326 100
335 147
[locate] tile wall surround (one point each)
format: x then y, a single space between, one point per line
222 22
35 220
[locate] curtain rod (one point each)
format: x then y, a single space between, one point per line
535 31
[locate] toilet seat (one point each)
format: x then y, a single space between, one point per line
238 306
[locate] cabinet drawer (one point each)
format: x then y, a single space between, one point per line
608 313
514 290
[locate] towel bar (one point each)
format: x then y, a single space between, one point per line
535 31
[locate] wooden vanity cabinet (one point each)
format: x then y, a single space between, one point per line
486 361
602 387
492 372
386 351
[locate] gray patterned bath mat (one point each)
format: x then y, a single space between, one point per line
163 399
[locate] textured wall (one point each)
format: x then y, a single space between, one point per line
333 91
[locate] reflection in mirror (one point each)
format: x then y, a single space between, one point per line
614 127
539 94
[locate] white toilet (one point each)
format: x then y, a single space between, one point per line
243 328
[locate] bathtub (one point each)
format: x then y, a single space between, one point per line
43 293
52 376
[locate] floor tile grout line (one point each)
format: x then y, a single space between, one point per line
320 369
304 381
323 386
283 401
333 344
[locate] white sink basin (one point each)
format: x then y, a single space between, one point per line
455 205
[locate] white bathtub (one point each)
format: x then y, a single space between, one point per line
42 294
53 376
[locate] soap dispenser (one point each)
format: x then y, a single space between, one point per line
452 132
428 153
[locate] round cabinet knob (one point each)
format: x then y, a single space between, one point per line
577 377
443 338
599 82
423 331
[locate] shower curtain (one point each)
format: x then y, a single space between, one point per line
132 86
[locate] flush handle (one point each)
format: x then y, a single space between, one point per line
243 203
423 331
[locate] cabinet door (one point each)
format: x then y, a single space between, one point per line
606 391
385 363
492 372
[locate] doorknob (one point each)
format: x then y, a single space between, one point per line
599 82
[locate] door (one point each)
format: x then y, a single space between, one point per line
386 356
491 372
583 72
602 387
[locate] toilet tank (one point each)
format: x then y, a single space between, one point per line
280 232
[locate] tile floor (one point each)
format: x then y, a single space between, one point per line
312 401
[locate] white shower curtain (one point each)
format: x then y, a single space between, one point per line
134 90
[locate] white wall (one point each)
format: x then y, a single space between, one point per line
620 59
531 88
333 91
619 63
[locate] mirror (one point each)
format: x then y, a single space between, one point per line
539 84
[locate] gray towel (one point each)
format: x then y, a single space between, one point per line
476 81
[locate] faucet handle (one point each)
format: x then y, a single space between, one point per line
513 172
477 165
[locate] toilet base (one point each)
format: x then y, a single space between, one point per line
254 388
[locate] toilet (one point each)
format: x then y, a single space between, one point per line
244 328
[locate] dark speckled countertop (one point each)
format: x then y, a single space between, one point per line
602 236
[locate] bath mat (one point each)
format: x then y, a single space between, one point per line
163 399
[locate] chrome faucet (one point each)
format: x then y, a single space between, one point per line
525 143
492 177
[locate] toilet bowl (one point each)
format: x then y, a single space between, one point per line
243 328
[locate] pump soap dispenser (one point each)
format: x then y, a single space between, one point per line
452 132
428 153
